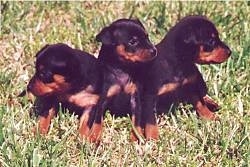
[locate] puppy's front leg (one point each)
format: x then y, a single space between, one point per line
135 104
86 122
47 109
44 121
151 128
96 129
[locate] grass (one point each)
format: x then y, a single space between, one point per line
184 140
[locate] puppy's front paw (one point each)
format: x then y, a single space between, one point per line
136 135
95 133
151 132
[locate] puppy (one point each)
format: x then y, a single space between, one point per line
124 54
67 76
173 76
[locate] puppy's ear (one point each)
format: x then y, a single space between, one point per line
188 48
41 50
187 40
137 21
105 36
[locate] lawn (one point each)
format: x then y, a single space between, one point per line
185 140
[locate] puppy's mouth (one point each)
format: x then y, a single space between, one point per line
141 55
29 94
216 56
41 89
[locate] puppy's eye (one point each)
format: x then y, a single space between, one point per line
133 42
208 48
46 77
210 45
212 42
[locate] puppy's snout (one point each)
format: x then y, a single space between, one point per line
227 49
229 52
29 87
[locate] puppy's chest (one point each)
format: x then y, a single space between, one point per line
176 83
84 98
120 77
120 81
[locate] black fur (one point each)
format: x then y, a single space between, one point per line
125 51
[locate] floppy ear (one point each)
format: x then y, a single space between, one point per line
41 50
137 21
187 48
105 36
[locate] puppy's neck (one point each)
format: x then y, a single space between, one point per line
108 55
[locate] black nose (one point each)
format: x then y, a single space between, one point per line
29 87
229 51
30 84
226 48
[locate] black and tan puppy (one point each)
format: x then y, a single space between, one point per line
174 77
68 76
124 53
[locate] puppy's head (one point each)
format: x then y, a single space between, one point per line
199 38
129 40
56 70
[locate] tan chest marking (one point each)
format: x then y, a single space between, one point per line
114 90
190 79
85 98
170 87
130 88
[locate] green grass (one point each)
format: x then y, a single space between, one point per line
184 140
